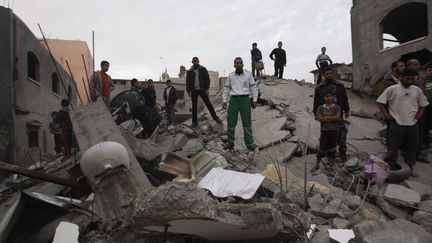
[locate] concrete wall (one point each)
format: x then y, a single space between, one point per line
6 83
370 60
33 100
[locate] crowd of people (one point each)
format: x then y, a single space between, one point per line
404 96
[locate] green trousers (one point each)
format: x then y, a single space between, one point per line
242 105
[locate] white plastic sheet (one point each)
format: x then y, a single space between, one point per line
225 183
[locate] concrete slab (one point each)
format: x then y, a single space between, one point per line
280 152
424 190
173 142
204 161
401 196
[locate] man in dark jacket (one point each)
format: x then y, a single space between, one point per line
65 124
278 55
341 99
256 57
198 84
170 97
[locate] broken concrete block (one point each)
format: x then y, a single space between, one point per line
366 227
280 152
424 215
332 209
401 196
353 202
424 190
173 142
352 163
293 139
390 210
389 235
341 235
192 147
66 233
178 165
144 149
411 228
322 236
340 223
204 161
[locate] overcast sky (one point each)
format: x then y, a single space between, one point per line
134 34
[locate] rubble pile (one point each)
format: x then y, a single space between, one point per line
182 186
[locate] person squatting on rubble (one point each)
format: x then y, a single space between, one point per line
101 83
328 115
278 55
170 97
391 78
238 88
403 105
256 57
55 130
65 124
322 62
198 84
341 99
146 111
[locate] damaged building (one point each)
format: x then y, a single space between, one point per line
32 88
182 186
385 31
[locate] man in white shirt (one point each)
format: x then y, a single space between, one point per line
403 105
322 62
238 88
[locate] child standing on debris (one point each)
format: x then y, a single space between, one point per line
328 114
56 131
65 123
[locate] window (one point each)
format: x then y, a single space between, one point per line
33 136
55 83
32 66
404 23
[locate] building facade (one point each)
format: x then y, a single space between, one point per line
341 72
31 89
384 31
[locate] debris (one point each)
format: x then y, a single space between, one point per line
423 216
288 179
224 183
352 163
409 228
42 176
178 165
365 228
424 190
204 161
401 196
341 235
390 210
280 152
322 236
192 147
66 233
173 142
352 201
311 231
144 149
340 223
394 236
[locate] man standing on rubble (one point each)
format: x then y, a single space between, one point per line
101 83
421 154
238 89
278 55
403 105
322 62
198 84
341 99
65 123
391 78
256 57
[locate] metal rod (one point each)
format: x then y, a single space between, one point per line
86 72
85 88
53 59
42 176
73 80
305 171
